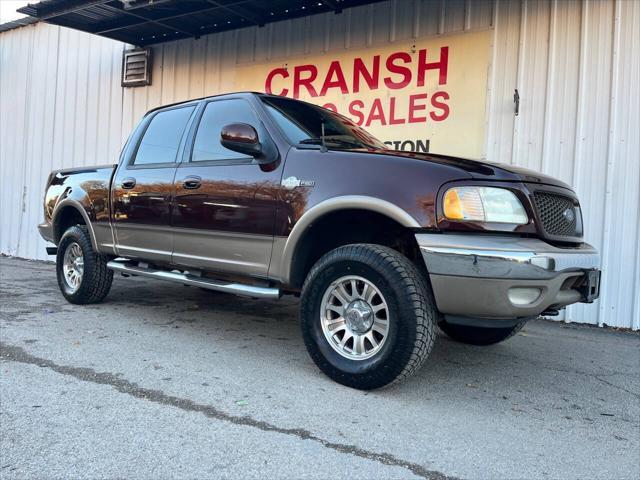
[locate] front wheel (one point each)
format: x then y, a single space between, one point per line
480 335
83 276
368 316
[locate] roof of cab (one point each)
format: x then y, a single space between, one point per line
193 100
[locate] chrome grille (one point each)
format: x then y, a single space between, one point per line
558 214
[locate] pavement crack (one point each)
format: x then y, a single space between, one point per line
613 385
17 354
597 376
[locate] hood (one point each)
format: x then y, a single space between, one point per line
484 170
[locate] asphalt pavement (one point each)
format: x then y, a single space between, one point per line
166 381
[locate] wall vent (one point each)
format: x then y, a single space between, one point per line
136 67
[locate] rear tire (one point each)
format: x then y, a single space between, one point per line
367 315
83 276
480 336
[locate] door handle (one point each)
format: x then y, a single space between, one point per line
128 183
192 182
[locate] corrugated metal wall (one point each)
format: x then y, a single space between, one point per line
576 65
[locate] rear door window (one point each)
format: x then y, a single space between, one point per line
161 140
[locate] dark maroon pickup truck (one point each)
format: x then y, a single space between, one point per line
262 196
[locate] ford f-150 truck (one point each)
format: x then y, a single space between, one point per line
262 196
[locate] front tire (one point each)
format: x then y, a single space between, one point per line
368 316
480 336
83 276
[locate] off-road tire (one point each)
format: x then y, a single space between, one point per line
412 320
96 278
480 336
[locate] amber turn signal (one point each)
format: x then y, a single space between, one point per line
452 206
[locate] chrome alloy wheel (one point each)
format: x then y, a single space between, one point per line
73 267
354 317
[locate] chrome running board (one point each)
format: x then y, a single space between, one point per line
187 279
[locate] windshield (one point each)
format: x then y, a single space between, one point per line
302 124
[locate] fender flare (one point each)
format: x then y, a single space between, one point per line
70 202
360 202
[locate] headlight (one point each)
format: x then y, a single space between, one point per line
484 204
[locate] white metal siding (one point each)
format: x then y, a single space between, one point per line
575 63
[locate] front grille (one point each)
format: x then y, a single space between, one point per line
558 214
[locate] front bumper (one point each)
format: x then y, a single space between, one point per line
504 277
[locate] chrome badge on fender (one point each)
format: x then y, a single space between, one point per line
293 182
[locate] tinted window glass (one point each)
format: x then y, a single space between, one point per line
294 132
216 115
302 123
162 138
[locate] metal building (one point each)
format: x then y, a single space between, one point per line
575 64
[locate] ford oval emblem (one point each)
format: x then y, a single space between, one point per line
569 215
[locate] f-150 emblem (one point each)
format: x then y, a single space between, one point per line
293 182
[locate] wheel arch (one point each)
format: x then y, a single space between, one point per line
292 244
67 212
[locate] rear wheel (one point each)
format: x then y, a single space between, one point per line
367 315
83 276
480 335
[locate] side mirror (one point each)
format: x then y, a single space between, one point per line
241 138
